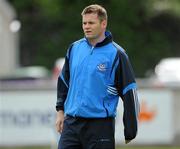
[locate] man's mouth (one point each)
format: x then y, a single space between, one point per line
87 32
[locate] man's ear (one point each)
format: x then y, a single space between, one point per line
104 23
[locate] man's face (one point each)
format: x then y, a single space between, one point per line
93 28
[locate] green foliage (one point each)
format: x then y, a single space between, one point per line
48 27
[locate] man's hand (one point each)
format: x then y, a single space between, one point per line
127 141
59 121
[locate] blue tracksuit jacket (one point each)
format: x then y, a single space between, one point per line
93 79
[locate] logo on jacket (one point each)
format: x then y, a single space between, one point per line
101 67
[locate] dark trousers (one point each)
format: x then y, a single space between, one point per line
83 133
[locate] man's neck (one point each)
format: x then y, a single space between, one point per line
93 42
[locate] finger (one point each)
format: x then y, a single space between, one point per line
127 141
58 127
61 127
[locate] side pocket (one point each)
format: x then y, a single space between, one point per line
105 144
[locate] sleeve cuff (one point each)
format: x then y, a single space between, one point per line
58 108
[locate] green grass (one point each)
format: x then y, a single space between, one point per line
149 147
38 147
121 147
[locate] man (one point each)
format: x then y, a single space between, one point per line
95 74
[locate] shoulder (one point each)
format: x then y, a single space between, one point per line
120 50
77 42
74 45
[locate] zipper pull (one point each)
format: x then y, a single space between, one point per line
92 50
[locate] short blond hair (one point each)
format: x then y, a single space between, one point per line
96 9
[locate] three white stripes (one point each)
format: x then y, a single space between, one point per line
112 90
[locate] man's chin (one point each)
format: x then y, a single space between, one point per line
89 37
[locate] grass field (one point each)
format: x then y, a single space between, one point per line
136 147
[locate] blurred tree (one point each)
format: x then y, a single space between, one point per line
48 27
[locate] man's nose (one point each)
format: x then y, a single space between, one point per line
86 25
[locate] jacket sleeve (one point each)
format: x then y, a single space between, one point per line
126 86
63 83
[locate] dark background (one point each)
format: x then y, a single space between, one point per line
148 30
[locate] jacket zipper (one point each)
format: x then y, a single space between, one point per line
92 49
